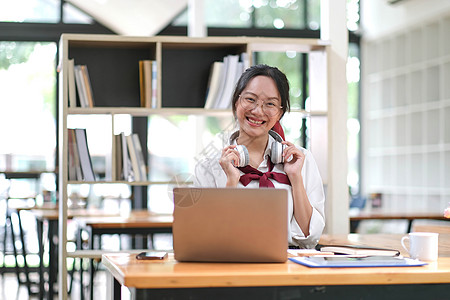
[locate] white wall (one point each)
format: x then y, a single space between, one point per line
132 17
381 18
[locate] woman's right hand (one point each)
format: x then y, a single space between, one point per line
228 161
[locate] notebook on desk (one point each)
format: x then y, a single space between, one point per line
230 225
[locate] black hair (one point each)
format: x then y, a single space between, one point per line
263 70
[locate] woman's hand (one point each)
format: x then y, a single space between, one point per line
293 160
228 161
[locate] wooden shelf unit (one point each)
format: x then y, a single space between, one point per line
183 68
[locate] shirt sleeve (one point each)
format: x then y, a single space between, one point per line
316 196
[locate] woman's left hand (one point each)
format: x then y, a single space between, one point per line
293 159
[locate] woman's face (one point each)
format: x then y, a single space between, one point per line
257 121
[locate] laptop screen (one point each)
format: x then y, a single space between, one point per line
230 224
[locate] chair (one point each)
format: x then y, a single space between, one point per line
357 204
13 208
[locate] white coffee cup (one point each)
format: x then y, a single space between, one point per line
422 245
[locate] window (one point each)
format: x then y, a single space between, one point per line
293 18
269 14
353 122
37 11
41 11
279 14
28 99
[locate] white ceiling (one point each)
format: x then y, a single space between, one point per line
132 17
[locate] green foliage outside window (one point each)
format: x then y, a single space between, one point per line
13 53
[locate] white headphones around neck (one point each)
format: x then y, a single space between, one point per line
276 149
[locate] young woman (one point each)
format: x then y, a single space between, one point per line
259 101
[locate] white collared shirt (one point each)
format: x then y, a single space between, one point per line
209 173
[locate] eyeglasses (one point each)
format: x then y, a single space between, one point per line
269 107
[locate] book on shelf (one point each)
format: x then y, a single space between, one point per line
220 87
358 250
118 174
71 171
147 83
84 155
154 83
231 66
141 84
245 59
81 90
88 86
129 160
127 171
71 82
133 158
213 83
79 159
74 168
140 157
80 82
222 80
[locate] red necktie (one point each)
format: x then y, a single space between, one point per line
254 174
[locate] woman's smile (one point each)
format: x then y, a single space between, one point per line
255 122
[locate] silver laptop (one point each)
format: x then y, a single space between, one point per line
230 225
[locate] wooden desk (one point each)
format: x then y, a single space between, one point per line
396 216
175 280
141 222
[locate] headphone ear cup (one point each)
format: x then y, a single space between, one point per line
276 153
243 156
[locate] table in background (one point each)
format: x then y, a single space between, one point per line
50 215
410 217
142 222
137 222
172 279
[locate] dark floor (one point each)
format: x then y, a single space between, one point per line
10 290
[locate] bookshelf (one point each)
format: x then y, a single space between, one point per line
407 112
183 65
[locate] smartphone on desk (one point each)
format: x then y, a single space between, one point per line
151 255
